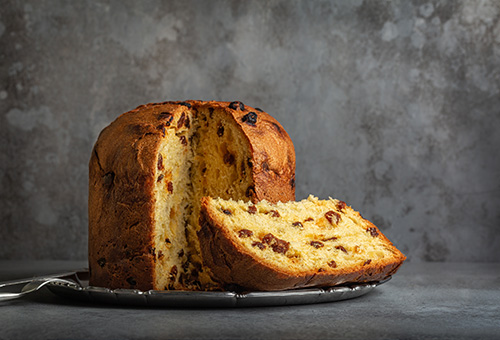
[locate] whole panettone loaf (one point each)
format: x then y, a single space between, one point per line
314 242
149 170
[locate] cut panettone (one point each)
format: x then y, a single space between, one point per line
313 242
149 170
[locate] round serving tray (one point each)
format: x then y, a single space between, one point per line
77 287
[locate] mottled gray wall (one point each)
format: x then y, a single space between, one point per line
393 106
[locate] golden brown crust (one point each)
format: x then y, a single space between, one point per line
122 177
232 264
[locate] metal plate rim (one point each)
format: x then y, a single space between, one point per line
188 299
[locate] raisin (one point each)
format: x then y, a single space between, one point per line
274 213
258 109
331 215
292 182
278 246
268 238
237 105
332 264
170 187
181 253
160 255
250 191
243 233
249 163
101 262
181 120
309 219
109 178
341 248
160 178
160 162
183 140
229 158
131 281
194 274
297 224
317 244
173 273
372 231
252 209
162 128
227 212
333 238
220 131
341 205
185 104
211 111
281 246
168 117
250 118
187 123
367 262
167 240
265 166
259 245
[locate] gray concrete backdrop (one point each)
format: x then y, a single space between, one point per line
393 106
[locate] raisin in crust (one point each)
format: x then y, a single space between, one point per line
141 186
260 252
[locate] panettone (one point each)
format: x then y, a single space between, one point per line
149 170
313 242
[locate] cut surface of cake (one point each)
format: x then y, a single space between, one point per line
313 242
149 170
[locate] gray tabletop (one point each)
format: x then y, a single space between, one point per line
423 300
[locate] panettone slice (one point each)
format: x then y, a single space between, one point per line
313 242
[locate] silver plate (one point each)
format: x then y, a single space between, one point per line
187 299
